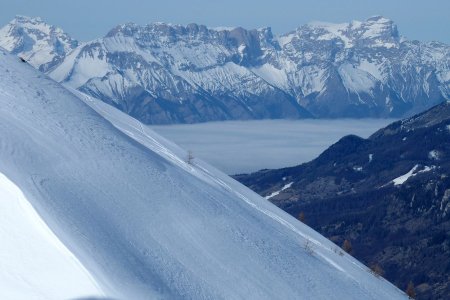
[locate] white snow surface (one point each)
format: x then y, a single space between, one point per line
433 154
79 66
34 264
371 68
356 79
272 75
143 222
276 193
334 31
413 172
402 179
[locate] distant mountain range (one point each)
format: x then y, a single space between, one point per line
163 73
389 195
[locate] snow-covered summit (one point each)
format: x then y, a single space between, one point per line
42 45
145 223
376 31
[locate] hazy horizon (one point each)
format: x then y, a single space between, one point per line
247 146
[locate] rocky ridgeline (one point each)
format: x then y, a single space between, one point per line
388 195
162 73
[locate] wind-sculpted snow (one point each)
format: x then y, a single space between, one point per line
162 73
145 223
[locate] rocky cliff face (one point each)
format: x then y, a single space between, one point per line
162 73
388 195
167 74
364 69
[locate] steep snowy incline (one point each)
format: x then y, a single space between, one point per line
34 264
145 223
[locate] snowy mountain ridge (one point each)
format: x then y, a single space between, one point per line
164 73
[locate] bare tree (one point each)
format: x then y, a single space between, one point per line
347 246
308 246
301 217
410 291
376 270
190 157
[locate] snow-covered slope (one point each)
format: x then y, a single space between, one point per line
143 222
163 73
34 264
42 45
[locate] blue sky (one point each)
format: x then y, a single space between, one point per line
88 19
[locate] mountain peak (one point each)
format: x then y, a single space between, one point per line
27 19
376 31
127 29
159 28
381 28
378 18
41 44
34 23
164 28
